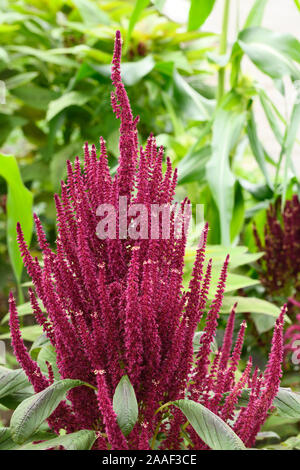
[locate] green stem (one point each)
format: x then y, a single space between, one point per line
223 49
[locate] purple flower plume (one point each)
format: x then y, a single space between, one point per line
117 305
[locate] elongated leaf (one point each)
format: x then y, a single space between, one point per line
209 427
29 333
48 354
193 105
257 148
19 209
256 14
6 442
192 167
227 127
132 72
125 405
291 135
272 52
199 12
139 6
272 115
287 403
91 13
80 440
11 381
23 309
251 305
30 414
73 98
297 3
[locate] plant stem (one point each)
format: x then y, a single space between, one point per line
223 49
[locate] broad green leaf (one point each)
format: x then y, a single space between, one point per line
6 442
191 104
35 96
209 427
132 72
48 353
251 305
11 381
30 414
58 164
24 309
13 400
290 138
73 98
139 6
19 209
287 403
233 282
227 127
272 52
263 322
91 13
80 440
38 344
192 166
29 333
199 12
125 405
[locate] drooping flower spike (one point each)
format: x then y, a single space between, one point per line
117 306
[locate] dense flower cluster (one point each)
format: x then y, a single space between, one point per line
117 306
280 265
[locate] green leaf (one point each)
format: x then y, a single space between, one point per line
35 96
192 166
11 381
237 220
73 98
251 305
209 427
289 141
19 209
139 6
6 442
30 414
80 440
192 105
20 79
256 14
24 309
297 3
125 405
91 13
257 148
132 72
271 52
199 12
48 353
29 333
287 403
227 126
